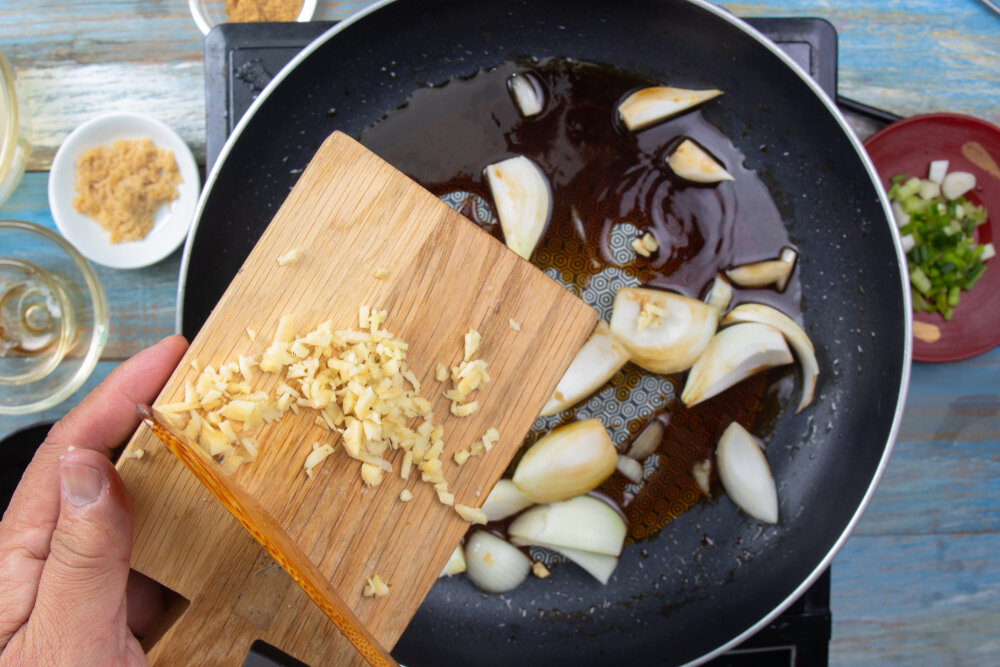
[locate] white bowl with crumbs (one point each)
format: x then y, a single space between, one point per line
123 189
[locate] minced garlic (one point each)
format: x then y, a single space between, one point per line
514 324
289 257
356 382
471 514
376 587
406 495
381 273
539 569
121 186
639 248
136 454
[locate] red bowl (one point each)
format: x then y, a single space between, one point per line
907 147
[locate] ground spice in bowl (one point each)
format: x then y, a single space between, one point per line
249 11
122 185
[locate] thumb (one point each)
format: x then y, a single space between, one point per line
82 586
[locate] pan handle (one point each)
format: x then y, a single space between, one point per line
881 115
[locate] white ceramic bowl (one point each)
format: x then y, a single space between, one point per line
171 222
209 13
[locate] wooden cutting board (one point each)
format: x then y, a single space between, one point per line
350 215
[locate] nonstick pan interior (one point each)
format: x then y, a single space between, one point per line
713 574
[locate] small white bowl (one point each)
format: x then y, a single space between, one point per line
170 223
209 13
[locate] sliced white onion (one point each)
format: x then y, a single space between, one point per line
527 93
455 564
599 359
908 242
901 216
692 162
599 566
663 332
493 564
524 203
505 500
649 106
702 471
957 183
804 350
733 355
746 475
571 460
629 467
937 171
720 295
769 272
929 190
647 441
583 523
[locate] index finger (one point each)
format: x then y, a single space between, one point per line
102 421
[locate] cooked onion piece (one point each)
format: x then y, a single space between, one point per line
720 295
692 162
455 564
804 350
527 93
599 566
647 441
505 500
746 475
663 332
599 358
649 106
769 272
523 201
702 472
493 564
583 523
571 460
629 467
733 355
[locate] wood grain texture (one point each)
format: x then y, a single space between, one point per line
350 214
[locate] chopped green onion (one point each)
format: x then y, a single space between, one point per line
944 259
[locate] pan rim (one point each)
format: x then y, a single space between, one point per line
856 144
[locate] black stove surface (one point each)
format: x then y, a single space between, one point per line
240 60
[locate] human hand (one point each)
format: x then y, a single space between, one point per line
66 595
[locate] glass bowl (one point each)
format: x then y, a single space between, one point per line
53 318
209 13
14 145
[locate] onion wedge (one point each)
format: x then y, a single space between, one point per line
584 523
493 564
746 475
505 500
523 201
571 460
455 564
769 272
733 355
693 163
599 359
526 92
720 294
649 106
663 332
599 566
796 337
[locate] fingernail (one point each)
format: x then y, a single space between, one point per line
80 484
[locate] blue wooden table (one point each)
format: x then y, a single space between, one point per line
919 581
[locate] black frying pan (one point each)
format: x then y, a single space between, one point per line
713 576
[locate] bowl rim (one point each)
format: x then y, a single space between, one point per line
205 24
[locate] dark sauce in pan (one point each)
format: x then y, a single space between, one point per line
602 175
